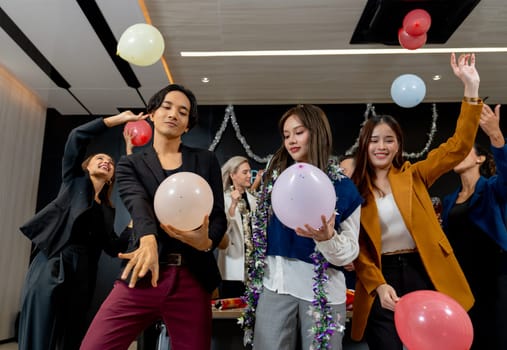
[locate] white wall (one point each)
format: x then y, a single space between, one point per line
22 120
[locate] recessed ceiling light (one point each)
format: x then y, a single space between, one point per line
437 77
205 80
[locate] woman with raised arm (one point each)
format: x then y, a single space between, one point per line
70 233
402 245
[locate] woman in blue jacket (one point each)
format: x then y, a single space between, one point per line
474 221
69 234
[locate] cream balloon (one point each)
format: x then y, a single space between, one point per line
182 200
141 44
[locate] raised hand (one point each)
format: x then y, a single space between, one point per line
128 134
124 117
490 124
464 68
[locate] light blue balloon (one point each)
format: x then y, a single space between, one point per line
408 90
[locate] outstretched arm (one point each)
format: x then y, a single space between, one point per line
123 117
445 157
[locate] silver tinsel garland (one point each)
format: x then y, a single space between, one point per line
431 134
370 109
229 114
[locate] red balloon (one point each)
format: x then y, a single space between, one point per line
410 42
141 132
417 22
427 319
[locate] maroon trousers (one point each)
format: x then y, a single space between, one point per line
179 300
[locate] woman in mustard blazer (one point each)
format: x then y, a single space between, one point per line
402 246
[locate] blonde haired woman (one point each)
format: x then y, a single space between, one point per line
239 203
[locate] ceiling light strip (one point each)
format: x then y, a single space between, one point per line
147 18
344 52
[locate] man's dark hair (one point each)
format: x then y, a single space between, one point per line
157 99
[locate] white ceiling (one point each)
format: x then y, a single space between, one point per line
63 35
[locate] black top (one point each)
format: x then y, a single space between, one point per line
245 198
87 227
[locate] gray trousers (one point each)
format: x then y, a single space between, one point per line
280 319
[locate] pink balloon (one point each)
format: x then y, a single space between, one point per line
141 132
417 22
182 200
301 194
410 42
427 319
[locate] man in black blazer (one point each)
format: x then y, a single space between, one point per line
170 273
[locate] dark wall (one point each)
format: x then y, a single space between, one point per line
258 126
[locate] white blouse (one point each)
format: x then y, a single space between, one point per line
295 277
395 235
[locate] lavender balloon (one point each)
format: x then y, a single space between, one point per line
301 195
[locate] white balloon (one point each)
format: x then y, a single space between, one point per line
141 44
408 90
182 200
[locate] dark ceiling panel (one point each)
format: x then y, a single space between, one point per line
29 48
381 19
106 36
37 57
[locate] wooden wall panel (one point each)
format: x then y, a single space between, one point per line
22 120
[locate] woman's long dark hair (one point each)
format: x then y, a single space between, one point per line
320 140
107 190
364 173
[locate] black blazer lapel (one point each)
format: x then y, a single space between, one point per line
152 162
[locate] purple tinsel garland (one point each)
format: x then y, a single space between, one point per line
324 326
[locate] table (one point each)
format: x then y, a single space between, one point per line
226 332
227 314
